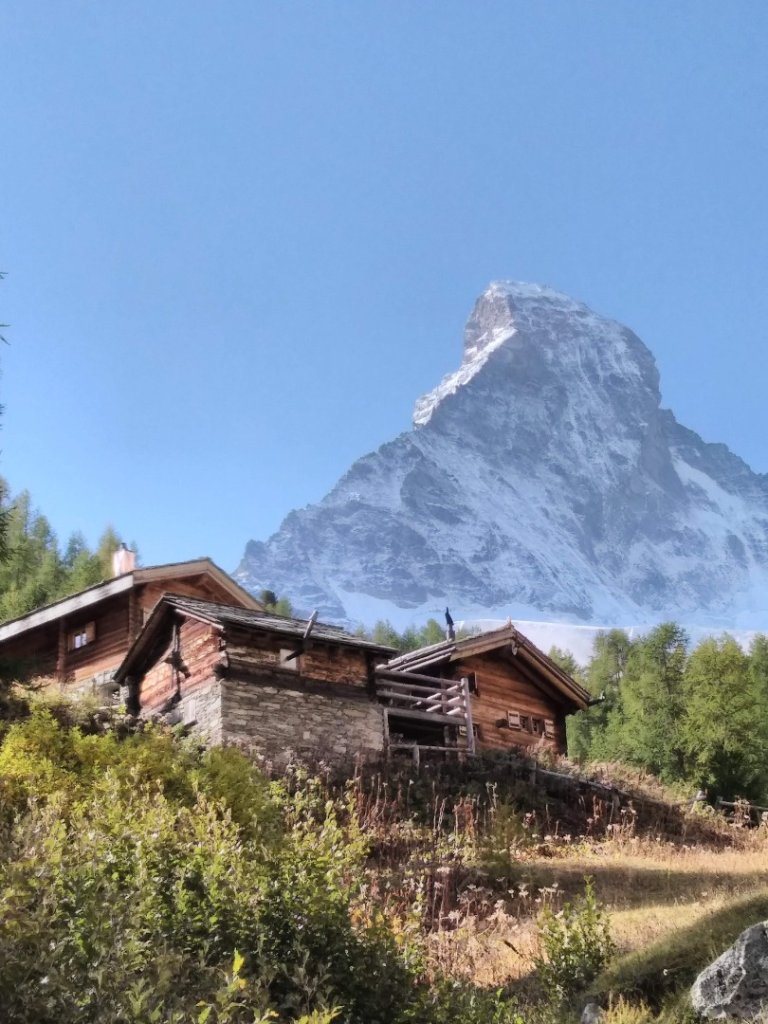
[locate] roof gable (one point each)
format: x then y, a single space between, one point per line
508 638
94 595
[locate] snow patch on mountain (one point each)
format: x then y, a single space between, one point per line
427 404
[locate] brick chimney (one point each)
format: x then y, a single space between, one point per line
123 560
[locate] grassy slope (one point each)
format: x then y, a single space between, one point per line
674 906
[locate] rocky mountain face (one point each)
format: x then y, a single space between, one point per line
540 479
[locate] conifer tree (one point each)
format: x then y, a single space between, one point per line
602 678
724 726
643 728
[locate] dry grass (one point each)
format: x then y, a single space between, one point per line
478 865
657 896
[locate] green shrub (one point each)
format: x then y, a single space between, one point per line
460 1003
133 870
577 945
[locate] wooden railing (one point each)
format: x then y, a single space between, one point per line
409 696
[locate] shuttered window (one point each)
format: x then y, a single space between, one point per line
513 720
81 637
549 728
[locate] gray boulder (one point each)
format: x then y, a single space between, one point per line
591 1014
736 984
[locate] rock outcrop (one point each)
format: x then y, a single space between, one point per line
735 986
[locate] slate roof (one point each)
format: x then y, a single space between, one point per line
223 615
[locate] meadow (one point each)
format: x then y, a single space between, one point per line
144 878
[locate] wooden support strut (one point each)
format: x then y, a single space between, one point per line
411 677
468 713
61 653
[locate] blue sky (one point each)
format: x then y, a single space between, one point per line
241 238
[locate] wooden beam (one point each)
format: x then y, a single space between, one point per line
133 616
536 680
426 716
468 706
444 699
414 677
61 652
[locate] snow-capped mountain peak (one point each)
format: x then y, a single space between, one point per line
541 479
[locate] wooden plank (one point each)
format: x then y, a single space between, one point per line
61 654
421 688
404 677
426 716
427 698
470 726
426 746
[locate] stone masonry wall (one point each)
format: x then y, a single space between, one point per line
276 721
203 707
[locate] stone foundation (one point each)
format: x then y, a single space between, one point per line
277 721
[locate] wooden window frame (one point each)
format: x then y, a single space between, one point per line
81 636
288 666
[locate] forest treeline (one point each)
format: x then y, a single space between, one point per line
697 715
35 569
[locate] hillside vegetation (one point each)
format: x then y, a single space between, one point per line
697 717
143 878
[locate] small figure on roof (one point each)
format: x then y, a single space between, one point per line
450 633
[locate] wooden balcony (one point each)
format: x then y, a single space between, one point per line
409 697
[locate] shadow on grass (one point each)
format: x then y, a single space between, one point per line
626 886
672 964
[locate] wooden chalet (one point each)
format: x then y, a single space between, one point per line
263 682
274 684
79 641
494 691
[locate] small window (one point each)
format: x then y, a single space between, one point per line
472 683
288 659
549 728
475 730
537 726
525 723
514 721
81 637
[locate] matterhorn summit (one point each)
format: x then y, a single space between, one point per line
542 478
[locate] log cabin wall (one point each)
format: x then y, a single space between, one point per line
502 688
48 652
236 691
202 586
268 653
33 654
317 704
191 675
108 647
